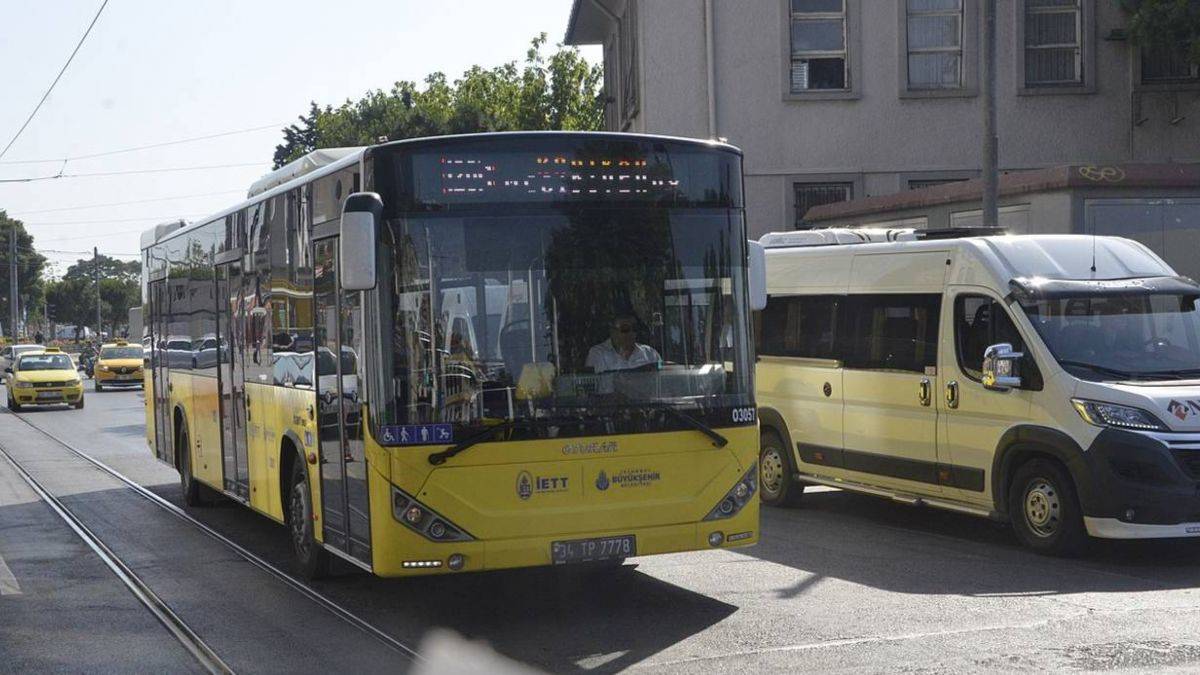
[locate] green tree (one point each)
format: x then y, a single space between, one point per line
556 91
71 301
1168 25
110 268
29 270
116 297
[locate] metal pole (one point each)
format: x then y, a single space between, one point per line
12 281
96 282
991 178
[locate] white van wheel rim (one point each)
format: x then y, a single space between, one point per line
772 471
1042 508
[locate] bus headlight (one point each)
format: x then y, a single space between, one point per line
423 520
737 497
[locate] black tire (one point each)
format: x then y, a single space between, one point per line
98 387
78 405
312 561
776 472
193 493
13 405
1044 509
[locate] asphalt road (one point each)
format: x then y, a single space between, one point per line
845 582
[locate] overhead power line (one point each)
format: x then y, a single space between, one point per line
94 235
172 217
128 173
146 147
137 201
70 58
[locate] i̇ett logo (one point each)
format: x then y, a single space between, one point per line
524 485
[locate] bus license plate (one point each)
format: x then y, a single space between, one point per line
586 550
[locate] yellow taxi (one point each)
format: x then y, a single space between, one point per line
118 363
46 377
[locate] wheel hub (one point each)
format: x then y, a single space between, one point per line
1042 508
772 471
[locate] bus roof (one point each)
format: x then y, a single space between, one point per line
325 164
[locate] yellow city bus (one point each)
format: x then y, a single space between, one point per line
468 352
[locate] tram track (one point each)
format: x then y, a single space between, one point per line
205 655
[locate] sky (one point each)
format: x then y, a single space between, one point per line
152 72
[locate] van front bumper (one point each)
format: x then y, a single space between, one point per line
1143 485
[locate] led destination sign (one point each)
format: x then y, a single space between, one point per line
680 177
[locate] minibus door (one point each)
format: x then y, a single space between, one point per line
343 463
974 418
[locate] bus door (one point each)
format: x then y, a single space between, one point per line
231 339
160 313
338 333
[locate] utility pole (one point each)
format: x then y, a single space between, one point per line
12 281
991 177
96 282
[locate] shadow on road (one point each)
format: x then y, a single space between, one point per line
559 620
881 544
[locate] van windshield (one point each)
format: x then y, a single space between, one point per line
1097 337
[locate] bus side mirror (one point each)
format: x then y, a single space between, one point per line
758 276
361 213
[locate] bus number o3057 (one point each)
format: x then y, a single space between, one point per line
743 415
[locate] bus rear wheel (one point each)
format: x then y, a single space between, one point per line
193 491
311 560
776 472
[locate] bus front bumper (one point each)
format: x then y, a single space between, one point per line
410 556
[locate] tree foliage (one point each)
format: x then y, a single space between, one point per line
1165 24
110 268
29 269
72 299
548 91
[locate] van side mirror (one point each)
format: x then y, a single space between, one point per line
757 273
361 213
1001 371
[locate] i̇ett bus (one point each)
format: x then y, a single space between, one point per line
468 353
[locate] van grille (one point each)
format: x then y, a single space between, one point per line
1189 460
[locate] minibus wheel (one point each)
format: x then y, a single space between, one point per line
1044 509
776 471
311 560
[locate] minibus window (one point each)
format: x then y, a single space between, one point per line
980 322
893 332
798 326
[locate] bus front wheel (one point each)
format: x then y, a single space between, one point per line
311 559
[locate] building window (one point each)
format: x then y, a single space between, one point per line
918 184
1166 65
818 43
1053 43
935 44
629 63
809 195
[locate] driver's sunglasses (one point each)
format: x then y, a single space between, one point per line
624 329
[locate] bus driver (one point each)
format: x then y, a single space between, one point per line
621 351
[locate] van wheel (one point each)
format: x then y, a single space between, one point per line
776 472
1044 510
312 561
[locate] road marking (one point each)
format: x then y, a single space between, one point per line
8 583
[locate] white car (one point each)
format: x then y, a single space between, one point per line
9 354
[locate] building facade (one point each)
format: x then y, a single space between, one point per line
834 100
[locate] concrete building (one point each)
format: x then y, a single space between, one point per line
833 100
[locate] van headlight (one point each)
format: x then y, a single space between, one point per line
1112 415
737 497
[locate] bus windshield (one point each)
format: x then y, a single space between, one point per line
1098 337
567 316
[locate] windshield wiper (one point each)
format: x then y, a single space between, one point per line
718 440
437 458
1108 371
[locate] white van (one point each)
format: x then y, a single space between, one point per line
1049 381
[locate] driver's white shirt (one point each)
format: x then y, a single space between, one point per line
604 357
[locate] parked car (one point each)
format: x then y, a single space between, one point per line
9 354
1049 381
